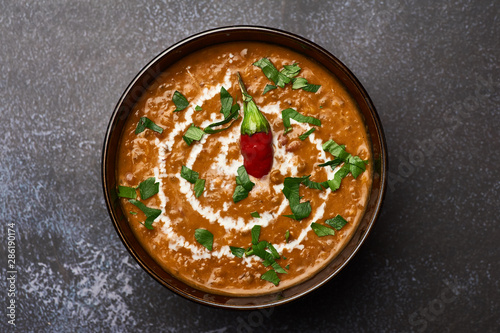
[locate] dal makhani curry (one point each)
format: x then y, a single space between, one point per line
244 169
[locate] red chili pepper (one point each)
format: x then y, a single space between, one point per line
256 137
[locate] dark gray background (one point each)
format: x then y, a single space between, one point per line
432 70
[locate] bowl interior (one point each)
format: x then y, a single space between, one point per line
232 34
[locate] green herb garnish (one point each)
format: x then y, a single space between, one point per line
244 185
205 238
301 83
268 88
239 193
189 175
198 108
180 101
356 165
271 276
278 268
279 79
336 150
341 173
286 75
287 235
291 113
338 222
234 114
193 133
258 248
314 185
226 101
127 192
199 187
353 164
133 213
192 177
255 214
148 188
291 192
304 136
274 252
291 71
151 213
144 123
255 234
333 163
268 258
237 251
322 230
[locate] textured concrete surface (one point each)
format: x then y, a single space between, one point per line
433 71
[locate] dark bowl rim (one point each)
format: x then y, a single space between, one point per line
281 33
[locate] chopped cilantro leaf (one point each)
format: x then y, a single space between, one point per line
291 192
144 123
226 100
356 165
271 276
353 164
274 252
239 193
278 268
133 213
279 79
151 213
333 163
192 177
148 223
244 185
304 136
198 108
255 234
338 222
334 183
243 179
314 185
234 114
148 188
287 267
180 101
193 133
301 83
311 87
205 238
290 71
268 88
199 187
189 175
259 249
322 230
237 251
255 214
293 114
127 192
336 150
249 251
287 235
